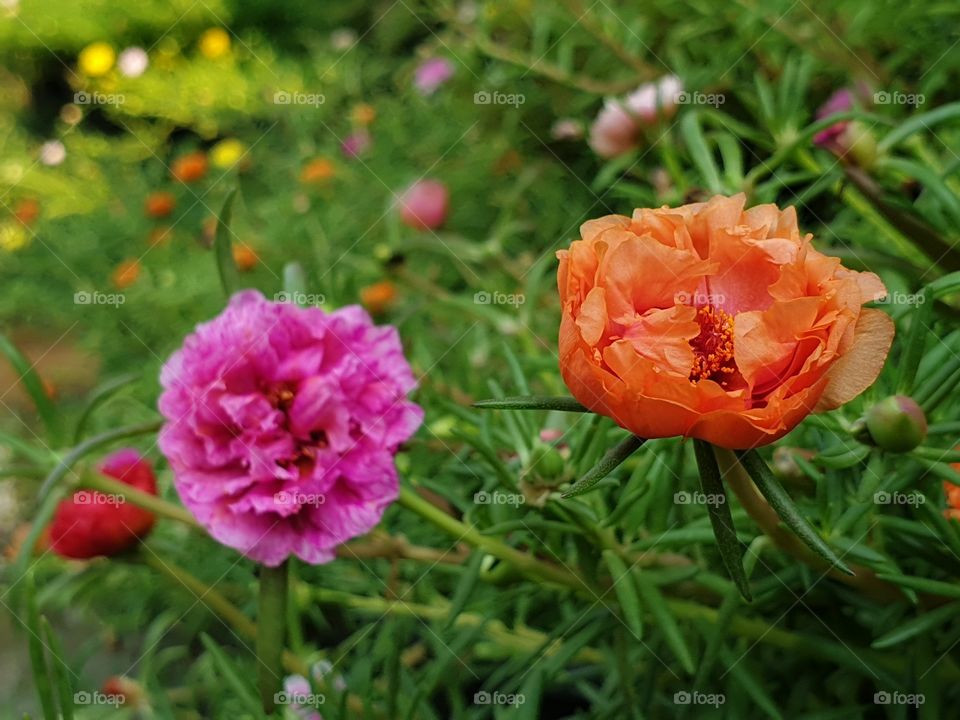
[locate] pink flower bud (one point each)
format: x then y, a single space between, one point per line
423 206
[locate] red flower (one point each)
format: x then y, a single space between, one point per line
91 523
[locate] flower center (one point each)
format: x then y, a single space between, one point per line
713 347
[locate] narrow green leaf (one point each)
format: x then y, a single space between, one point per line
223 248
465 586
38 659
34 387
937 587
699 152
920 320
100 395
916 123
784 506
747 679
60 671
720 518
94 443
917 626
654 602
532 402
626 592
233 676
607 464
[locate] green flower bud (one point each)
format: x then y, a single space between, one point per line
897 424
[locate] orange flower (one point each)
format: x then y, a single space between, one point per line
953 494
712 322
27 211
159 204
126 274
378 297
245 258
317 171
189 168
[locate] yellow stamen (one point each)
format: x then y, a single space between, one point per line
713 347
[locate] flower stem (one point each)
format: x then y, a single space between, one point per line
271 632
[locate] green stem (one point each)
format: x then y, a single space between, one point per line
271 632
217 604
142 499
523 562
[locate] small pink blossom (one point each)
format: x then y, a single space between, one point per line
423 205
841 101
619 126
282 423
356 143
431 74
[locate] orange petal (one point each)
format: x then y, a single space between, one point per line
855 371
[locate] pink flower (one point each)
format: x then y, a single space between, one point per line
619 126
841 101
282 424
356 143
431 74
423 205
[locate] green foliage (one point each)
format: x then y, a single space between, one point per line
537 563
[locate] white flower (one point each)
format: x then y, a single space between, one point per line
52 153
133 62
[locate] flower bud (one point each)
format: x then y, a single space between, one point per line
423 206
91 523
896 424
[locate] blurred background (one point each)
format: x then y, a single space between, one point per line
424 159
